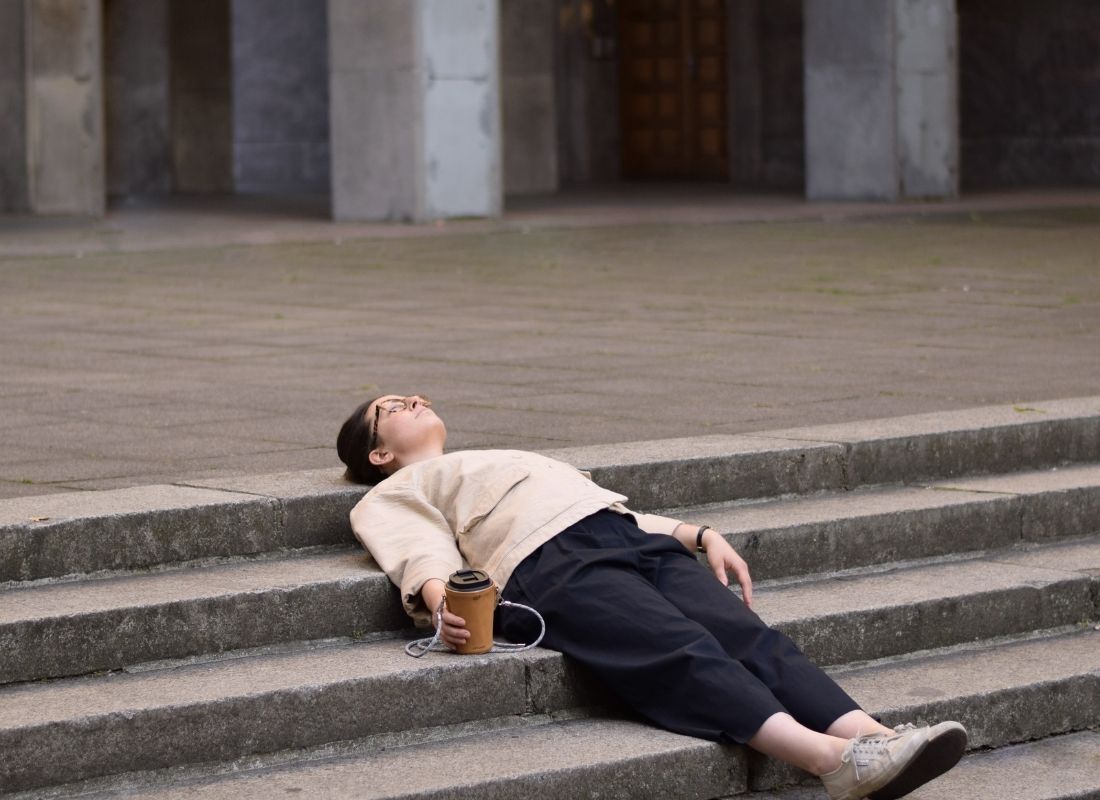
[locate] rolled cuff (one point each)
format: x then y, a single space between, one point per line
413 581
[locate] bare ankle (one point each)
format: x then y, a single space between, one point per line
856 723
829 758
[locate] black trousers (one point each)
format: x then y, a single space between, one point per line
676 646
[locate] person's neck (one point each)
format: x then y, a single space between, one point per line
415 457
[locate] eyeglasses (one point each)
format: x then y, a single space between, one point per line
390 407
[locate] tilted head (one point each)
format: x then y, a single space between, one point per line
387 433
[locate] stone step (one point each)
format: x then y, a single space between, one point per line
994 439
603 758
868 614
80 728
875 525
53 629
780 537
264 703
1004 693
1058 768
59 629
56 535
84 532
1014 690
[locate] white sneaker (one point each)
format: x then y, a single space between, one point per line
883 767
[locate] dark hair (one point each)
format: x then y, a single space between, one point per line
352 444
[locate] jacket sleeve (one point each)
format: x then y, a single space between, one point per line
411 541
650 523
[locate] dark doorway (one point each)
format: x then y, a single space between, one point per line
673 89
1029 77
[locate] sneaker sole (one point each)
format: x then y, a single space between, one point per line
935 758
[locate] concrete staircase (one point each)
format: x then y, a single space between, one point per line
229 640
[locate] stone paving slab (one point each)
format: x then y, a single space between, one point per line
191 356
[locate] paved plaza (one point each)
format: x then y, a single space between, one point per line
202 341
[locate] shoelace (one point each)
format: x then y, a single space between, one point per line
868 746
905 727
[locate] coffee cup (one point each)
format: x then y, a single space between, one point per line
472 595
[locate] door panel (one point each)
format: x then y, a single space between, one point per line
672 76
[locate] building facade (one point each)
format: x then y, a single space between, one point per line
426 109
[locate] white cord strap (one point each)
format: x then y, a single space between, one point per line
419 647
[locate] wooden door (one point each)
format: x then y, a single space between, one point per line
672 89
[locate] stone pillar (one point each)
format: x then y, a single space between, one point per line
928 97
881 99
64 146
414 109
529 110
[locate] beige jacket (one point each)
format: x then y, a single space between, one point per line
486 509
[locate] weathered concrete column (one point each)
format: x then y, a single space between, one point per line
881 99
51 96
414 109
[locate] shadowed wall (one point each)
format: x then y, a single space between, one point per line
1030 81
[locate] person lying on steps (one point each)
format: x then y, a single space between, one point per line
622 593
